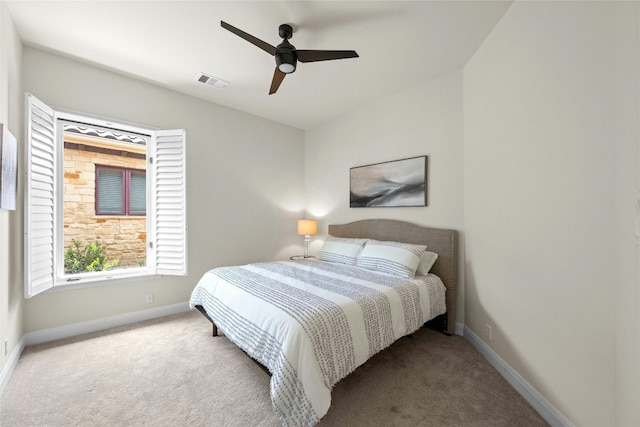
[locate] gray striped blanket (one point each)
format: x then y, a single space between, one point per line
311 323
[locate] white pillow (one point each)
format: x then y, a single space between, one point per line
397 259
426 262
340 250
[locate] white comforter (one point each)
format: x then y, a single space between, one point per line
311 323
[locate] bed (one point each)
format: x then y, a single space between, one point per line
312 322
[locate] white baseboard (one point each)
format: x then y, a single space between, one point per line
46 335
530 394
11 364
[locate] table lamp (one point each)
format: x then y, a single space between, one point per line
307 228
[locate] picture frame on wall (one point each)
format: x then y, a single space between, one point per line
8 169
397 183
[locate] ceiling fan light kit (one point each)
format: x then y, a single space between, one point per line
286 54
285 67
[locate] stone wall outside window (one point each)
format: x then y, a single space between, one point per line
123 236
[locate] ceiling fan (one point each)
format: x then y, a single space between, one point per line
286 54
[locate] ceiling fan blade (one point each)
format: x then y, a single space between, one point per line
324 55
248 37
278 77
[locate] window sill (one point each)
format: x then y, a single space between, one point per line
68 285
120 217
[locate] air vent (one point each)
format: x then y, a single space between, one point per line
213 81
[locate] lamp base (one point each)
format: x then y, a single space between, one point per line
307 239
297 257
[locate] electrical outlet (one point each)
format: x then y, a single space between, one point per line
149 298
488 331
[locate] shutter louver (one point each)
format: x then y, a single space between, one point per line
40 188
169 202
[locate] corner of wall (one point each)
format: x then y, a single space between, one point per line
11 113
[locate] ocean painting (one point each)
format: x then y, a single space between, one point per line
396 183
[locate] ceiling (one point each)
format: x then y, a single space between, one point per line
169 43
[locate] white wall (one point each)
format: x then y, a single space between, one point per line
11 302
245 187
551 169
627 183
426 120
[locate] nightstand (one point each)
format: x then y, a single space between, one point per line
297 257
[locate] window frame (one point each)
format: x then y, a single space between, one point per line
126 190
166 201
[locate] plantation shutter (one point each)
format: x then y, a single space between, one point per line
40 188
168 200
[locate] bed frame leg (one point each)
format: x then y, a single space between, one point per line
204 313
445 324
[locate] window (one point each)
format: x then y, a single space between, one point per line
120 191
143 182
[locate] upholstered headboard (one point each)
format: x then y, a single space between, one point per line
441 241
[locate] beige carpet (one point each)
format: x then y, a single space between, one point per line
171 372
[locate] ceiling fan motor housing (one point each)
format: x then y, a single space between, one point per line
286 57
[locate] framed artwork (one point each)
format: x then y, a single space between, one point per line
389 184
8 168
